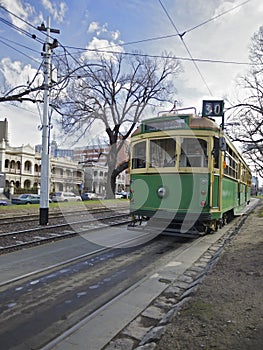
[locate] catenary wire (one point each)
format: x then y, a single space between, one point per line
27 23
204 60
174 35
186 47
65 47
19 51
217 16
21 30
18 44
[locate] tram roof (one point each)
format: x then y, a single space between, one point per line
175 121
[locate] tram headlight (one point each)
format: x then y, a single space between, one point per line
162 192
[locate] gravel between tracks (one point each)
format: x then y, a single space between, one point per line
226 311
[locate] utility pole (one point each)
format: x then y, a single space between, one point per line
44 180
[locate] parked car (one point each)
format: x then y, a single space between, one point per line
93 195
26 199
86 196
65 197
3 202
121 195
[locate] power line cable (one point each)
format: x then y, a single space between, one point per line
128 53
215 17
21 30
190 55
24 21
18 44
168 36
28 34
204 60
19 51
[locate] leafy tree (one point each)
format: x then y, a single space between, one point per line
115 93
246 120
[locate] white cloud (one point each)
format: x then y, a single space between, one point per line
95 27
108 49
16 74
99 29
58 12
115 35
21 9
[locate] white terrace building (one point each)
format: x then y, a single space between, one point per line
21 167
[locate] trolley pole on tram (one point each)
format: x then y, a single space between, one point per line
44 180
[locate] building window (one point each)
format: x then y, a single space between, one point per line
7 163
28 166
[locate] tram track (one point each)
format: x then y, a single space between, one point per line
19 218
15 240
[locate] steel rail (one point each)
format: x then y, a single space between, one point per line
58 236
53 215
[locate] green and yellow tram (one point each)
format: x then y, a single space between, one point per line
186 175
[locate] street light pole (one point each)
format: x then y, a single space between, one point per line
44 180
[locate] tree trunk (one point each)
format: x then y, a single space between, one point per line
111 178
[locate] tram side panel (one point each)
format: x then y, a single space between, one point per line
170 196
229 194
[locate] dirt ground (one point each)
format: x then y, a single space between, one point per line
226 312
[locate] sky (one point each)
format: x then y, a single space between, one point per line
218 32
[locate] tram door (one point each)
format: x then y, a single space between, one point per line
215 175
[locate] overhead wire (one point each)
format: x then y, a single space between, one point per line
174 35
145 40
21 19
215 17
3 41
186 47
29 34
194 60
133 42
204 60
21 30
19 51
18 44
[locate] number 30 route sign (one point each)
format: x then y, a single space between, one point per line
213 108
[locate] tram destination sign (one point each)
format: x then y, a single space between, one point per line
166 124
213 108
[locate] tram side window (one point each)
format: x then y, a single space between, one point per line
139 155
162 153
193 153
216 152
231 163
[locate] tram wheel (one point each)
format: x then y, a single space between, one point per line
212 228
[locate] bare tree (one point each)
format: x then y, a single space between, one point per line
32 89
115 93
247 118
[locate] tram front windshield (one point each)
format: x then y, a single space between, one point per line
162 153
191 152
